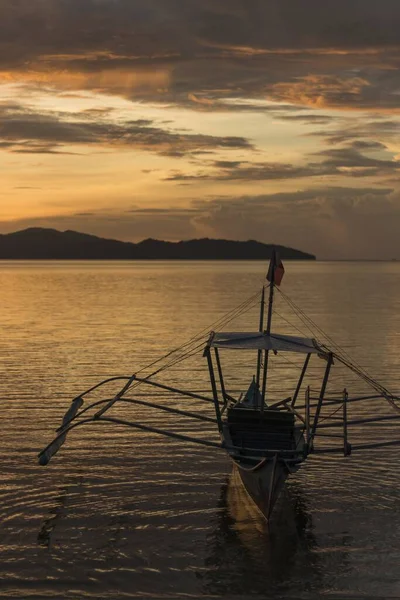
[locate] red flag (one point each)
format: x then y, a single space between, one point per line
276 271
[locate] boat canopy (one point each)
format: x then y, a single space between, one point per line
263 341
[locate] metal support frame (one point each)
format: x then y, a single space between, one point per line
214 388
321 395
299 384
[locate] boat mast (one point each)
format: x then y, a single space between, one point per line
261 329
271 277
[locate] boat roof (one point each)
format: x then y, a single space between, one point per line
264 341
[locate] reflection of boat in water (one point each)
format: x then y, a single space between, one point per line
292 517
267 437
246 555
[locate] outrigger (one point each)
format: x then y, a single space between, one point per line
267 439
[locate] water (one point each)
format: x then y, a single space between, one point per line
125 514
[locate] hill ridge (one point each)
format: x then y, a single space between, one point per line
38 243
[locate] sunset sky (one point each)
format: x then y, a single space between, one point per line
275 120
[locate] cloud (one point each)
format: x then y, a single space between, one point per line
364 131
334 222
367 145
311 119
349 162
170 224
200 52
303 64
321 91
26 187
25 131
248 171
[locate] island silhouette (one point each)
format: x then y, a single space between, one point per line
50 244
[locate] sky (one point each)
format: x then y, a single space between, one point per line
274 120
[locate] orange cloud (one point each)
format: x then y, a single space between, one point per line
120 81
200 100
321 91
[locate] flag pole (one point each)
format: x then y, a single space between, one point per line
271 274
261 329
271 293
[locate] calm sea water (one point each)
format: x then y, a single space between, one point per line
126 514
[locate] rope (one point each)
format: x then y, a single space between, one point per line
187 350
203 334
331 414
341 354
239 311
300 368
307 320
275 312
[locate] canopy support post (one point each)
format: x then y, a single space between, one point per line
346 445
321 395
307 419
299 384
221 377
214 389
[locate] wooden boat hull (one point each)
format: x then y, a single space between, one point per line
264 482
250 434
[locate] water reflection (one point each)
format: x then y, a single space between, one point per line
145 520
249 556
57 512
44 536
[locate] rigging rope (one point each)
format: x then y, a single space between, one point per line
275 312
307 321
191 348
299 367
196 344
342 355
222 322
203 334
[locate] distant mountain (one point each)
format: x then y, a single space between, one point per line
38 243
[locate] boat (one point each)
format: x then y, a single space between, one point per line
267 434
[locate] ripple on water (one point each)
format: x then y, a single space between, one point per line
122 514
